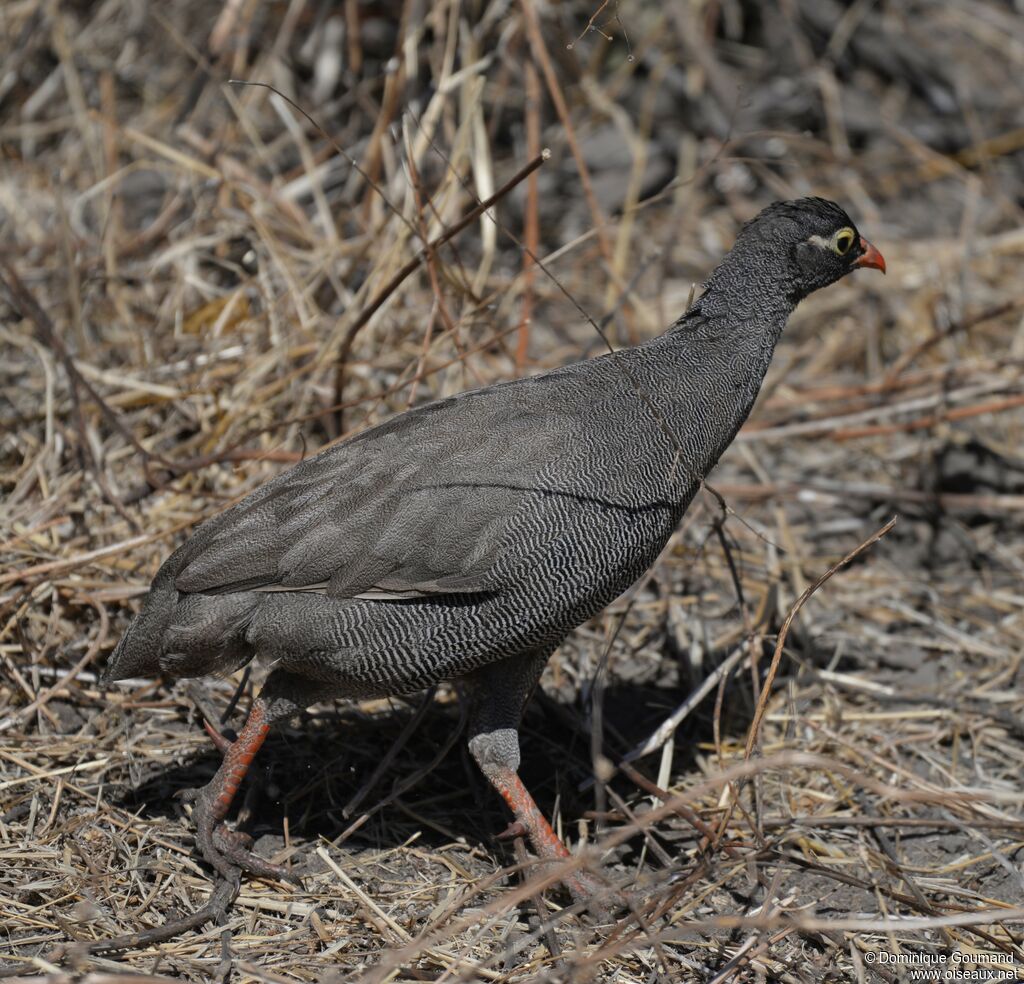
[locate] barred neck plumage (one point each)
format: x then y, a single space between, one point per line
750 292
702 376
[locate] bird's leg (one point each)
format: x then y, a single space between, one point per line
226 849
529 821
497 754
499 692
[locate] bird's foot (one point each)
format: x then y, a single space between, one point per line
597 895
230 851
236 847
227 850
588 889
585 887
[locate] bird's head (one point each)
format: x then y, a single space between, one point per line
807 244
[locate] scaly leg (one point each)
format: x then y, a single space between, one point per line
499 693
225 849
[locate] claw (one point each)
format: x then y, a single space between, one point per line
515 829
222 742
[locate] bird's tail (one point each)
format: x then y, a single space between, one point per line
138 652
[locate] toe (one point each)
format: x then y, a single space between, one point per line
233 845
601 899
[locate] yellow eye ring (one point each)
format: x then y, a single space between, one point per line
842 241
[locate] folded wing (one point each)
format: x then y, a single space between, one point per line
419 505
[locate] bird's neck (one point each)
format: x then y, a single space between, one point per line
749 295
710 367
734 327
737 322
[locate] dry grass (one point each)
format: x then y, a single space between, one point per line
204 259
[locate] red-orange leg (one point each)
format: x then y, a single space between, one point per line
529 820
224 848
545 841
237 759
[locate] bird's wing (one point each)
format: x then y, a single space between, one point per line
419 505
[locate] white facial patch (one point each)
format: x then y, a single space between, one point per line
820 241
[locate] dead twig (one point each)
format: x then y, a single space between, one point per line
412 265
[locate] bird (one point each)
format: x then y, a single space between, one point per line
463 540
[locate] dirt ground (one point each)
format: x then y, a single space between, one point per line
794 770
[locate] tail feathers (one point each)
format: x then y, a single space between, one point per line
138 652
208 634
183 635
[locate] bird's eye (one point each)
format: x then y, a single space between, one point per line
843 241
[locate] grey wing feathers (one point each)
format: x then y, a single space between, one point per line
401 510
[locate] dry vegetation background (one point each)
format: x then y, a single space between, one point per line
187 273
